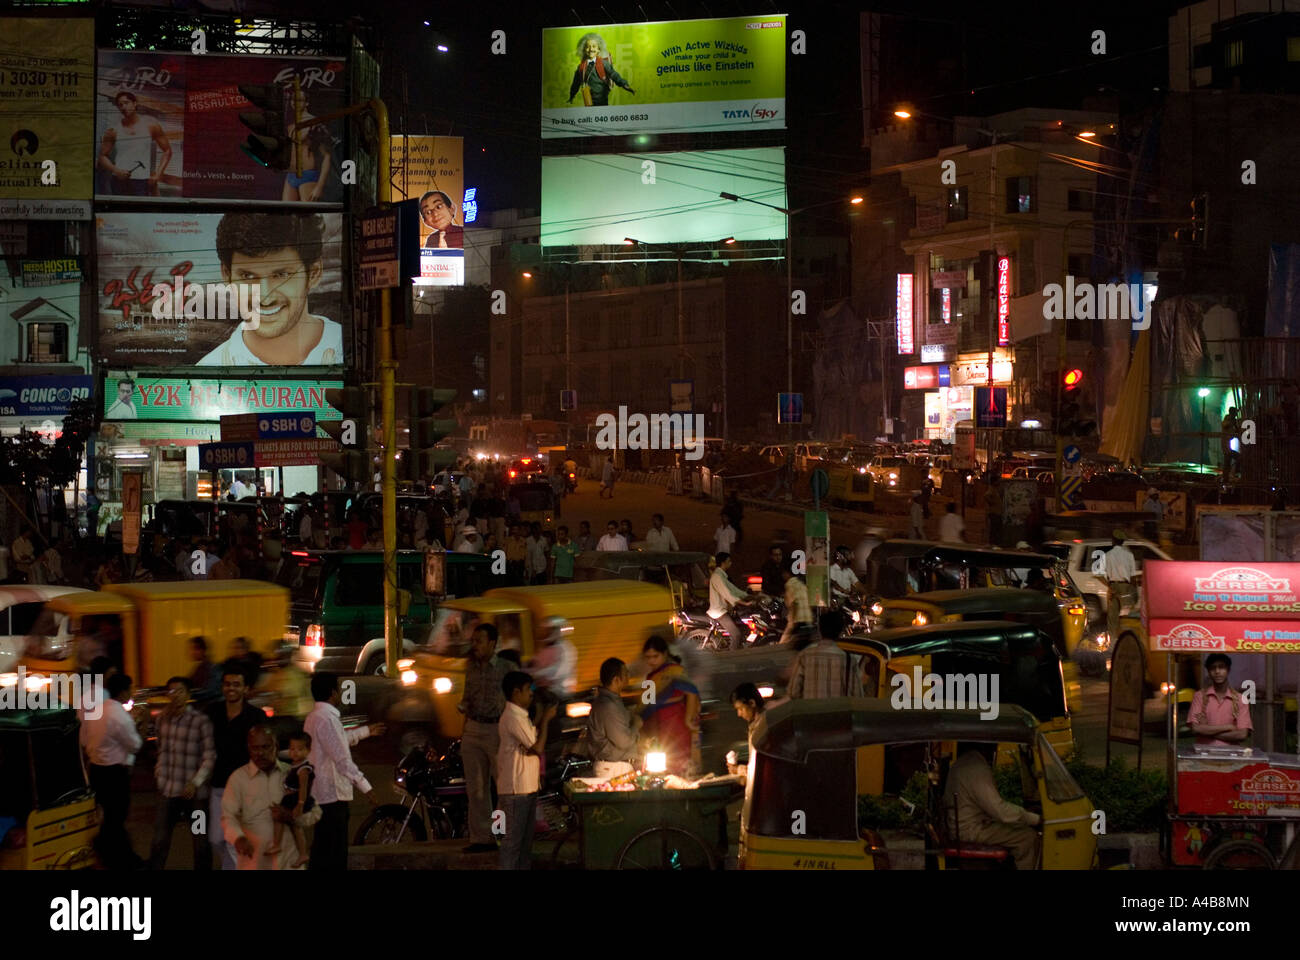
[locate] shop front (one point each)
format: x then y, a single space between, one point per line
931 398
154 425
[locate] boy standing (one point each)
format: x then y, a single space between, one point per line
519 768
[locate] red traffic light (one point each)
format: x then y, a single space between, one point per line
1072 379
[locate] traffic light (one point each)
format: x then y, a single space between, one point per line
352 463
1067 422
271 142
425 459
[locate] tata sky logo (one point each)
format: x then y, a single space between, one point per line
755 114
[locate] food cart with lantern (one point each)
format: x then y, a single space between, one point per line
1230 806
653 821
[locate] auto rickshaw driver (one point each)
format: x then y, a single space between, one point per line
976 813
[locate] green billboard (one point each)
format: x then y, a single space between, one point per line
665 77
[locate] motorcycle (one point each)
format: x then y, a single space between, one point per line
763 617
571 483
432 782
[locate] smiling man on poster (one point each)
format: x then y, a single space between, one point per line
281 255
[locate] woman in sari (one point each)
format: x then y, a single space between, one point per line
671 722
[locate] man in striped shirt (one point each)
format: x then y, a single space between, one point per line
187 754
823 669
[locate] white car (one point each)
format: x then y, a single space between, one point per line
22 615
1087 561
886 470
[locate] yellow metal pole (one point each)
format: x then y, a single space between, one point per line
388 415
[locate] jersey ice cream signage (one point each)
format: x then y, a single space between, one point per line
1209 606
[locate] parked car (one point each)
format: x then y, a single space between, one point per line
1087 564
337 603
22 617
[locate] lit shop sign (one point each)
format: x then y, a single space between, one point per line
941 279
470 206
925 378
934 352
974 372
1004 302
945 304
903 304
162 398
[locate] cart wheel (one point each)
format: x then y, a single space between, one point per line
1240 855
665 848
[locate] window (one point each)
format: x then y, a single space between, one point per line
958 198
360 585
1203 55
620 327
1080 265
1293 49
1020 194
47 343
652 322
1234 53
1079 200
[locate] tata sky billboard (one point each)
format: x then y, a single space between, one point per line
665 77
663 197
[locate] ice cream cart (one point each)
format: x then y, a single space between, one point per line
1231 806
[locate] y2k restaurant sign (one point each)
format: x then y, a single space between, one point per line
1204 606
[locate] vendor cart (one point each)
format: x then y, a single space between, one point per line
1231 806
657 828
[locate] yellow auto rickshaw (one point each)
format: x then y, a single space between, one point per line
802 809
47 810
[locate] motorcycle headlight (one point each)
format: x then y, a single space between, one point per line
442 685
877 609
920 620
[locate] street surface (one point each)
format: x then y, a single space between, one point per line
693 521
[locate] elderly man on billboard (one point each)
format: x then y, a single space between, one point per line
595 75
281 257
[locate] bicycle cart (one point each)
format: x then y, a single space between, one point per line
657 828
1231 807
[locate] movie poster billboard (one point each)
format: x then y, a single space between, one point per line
673 76
431 170
47 113
167 127
240 289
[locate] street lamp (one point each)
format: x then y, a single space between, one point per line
1203 393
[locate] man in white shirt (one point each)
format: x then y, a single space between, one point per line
555 668
723 595
842 579
331 757
535 562
123 407
724 538
916 530
519 768
659 537
952 528
612 540
1120 570
111 741
238 489
251 805
304 524
468 541
281 256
